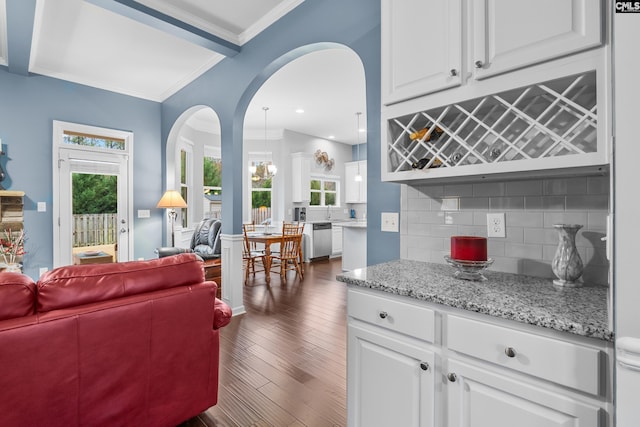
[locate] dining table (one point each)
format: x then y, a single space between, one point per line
267 239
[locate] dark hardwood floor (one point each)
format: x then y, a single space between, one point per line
283 363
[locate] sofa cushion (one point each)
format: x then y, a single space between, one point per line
83 284
17 295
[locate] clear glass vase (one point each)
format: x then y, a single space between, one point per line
567 264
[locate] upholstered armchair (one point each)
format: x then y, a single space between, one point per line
205 241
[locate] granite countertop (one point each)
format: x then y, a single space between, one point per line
532 300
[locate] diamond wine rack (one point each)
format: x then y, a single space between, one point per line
550 119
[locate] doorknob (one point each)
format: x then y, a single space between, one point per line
123 221
123 230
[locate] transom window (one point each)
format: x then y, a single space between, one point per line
96 141
324 191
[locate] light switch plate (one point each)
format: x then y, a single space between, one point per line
42 206
390 222
144 213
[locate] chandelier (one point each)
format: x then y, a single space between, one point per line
268 168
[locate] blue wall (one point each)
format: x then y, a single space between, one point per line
28 106
229 87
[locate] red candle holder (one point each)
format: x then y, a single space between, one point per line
469 248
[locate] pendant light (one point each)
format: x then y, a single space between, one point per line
358 177
270 169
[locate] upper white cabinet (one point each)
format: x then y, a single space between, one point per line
431 45
301 177
355 191
421 47
510 34
545 109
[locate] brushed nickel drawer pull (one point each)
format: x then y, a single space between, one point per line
452 377
510 352
383 314
424 366
454 72
478 64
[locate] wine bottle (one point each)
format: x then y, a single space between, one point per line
420 164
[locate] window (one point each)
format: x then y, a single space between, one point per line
324 191
184 186
261 186
212 175
88 140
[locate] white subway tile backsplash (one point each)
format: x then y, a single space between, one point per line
461 218
506 203
565 186
588 202
544 202
422 204
460 190
474 203
598 185
525 219
521 250
489 189
531 208
524 188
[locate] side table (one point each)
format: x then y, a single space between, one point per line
213 271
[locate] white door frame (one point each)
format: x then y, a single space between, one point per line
91 153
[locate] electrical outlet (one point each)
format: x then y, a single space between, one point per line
43 270
496 226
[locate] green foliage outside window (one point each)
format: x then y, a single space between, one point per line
93 141
212 172
94 194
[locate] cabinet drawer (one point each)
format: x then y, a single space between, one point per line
561 362
406 318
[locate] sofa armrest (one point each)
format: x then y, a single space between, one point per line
221 314
169 251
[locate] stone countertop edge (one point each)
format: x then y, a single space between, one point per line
526 299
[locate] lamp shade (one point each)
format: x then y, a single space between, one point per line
171 199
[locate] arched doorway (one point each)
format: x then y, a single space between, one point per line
193 167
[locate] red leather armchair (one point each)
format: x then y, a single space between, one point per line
126 344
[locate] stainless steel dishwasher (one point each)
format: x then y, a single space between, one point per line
321 239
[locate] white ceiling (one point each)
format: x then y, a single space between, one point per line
82 42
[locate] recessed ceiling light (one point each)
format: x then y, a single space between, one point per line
332 137
299 110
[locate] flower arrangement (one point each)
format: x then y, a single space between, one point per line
12 246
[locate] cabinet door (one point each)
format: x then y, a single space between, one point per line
300 178
351 187
390 382
336 241
479 398
363 184
510 34
421 47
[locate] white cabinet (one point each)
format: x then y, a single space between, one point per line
355 191
478 397
336 240
546 108
423 41
511 34
300 177
421 47
486 371
391 375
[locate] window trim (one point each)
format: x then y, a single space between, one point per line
322 179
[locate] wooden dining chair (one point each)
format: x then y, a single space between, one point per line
250 256
289 256
295 228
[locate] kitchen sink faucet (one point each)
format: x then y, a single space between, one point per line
328 212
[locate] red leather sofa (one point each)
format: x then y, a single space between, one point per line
124 344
